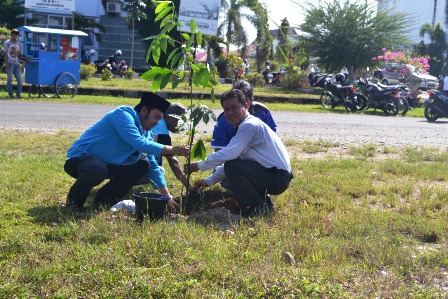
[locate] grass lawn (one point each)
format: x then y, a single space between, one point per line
360 222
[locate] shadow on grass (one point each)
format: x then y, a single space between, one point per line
56 214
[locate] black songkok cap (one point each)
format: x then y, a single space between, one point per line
155 101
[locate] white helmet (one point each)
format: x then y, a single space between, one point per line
118 52
92 51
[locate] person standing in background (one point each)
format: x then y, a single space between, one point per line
13 51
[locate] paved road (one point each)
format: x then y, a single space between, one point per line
345 129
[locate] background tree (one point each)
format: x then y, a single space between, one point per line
284 44
150 27
351 33
232 27
136 11
437 47
263 40
11 13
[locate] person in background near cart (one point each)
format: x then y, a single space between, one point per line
13 51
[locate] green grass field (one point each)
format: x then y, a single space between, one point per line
360 222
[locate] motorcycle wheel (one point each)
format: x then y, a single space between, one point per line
326 100
391 107
403 106
430 112
361 101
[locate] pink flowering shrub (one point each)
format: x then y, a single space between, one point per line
409 62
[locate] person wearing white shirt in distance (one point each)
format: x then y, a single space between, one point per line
255 162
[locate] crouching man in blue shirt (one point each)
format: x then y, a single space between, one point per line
255 162
117 148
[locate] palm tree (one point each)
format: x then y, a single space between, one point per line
434 13
232 24
264 38
436 48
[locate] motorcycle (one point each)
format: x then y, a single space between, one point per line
437 105
318 80
276 76
346 96
102 65
386 98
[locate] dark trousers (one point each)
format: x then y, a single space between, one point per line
250 182
89 172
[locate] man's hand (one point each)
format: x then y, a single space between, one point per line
182 150
198 185
193 167
172 205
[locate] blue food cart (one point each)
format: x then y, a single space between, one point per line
54 68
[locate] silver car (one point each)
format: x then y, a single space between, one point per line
391 75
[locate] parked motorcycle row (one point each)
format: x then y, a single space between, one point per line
392 100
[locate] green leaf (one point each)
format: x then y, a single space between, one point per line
163 44
171 55
176 59
199 38
156 82
193 26
150 37
205 78
162 14
166 20
175 82
186 36
161 6
194 67
198 151
181 74
165 80
188 44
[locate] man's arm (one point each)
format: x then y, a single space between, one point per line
176 168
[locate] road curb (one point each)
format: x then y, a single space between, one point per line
177 95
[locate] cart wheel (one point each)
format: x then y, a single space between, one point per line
66 86
47 91
33 90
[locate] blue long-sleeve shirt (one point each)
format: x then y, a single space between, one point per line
118 138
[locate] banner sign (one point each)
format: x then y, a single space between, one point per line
65 5
204 12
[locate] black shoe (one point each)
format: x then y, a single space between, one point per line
73 206
104 200
270 203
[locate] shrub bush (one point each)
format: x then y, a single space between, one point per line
292 79
129 74
87 71
255 79
106 75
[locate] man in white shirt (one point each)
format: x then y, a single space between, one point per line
255 162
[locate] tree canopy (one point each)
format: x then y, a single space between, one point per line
351 33
436 48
